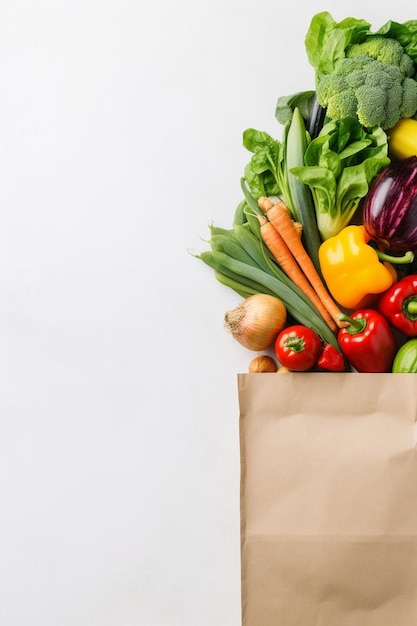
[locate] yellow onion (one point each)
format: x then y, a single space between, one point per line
256 321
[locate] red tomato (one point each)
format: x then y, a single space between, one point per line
298 348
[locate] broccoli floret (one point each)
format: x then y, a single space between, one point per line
378 48
380 79
385 50
393 71
329 86
356 79
408 105
360 62
376 103
407 66
373 83
342 105
370 105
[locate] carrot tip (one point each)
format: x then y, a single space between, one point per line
264 204
262 219
341 324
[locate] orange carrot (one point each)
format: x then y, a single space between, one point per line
280 217
299 228
279 249
265 204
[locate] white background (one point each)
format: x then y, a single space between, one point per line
121 139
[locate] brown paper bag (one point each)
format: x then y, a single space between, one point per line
328 499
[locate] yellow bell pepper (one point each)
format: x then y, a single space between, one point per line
402 141
351 268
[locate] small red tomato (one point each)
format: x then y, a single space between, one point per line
298 348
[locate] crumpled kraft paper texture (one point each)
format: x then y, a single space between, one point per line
328 499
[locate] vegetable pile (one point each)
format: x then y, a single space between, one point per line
322 247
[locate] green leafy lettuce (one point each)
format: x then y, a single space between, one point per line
262 173
339 166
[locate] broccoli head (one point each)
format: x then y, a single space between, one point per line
373 82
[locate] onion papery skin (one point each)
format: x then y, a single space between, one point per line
256 321
389 210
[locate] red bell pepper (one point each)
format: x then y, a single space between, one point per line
367 341
399 305
331 359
